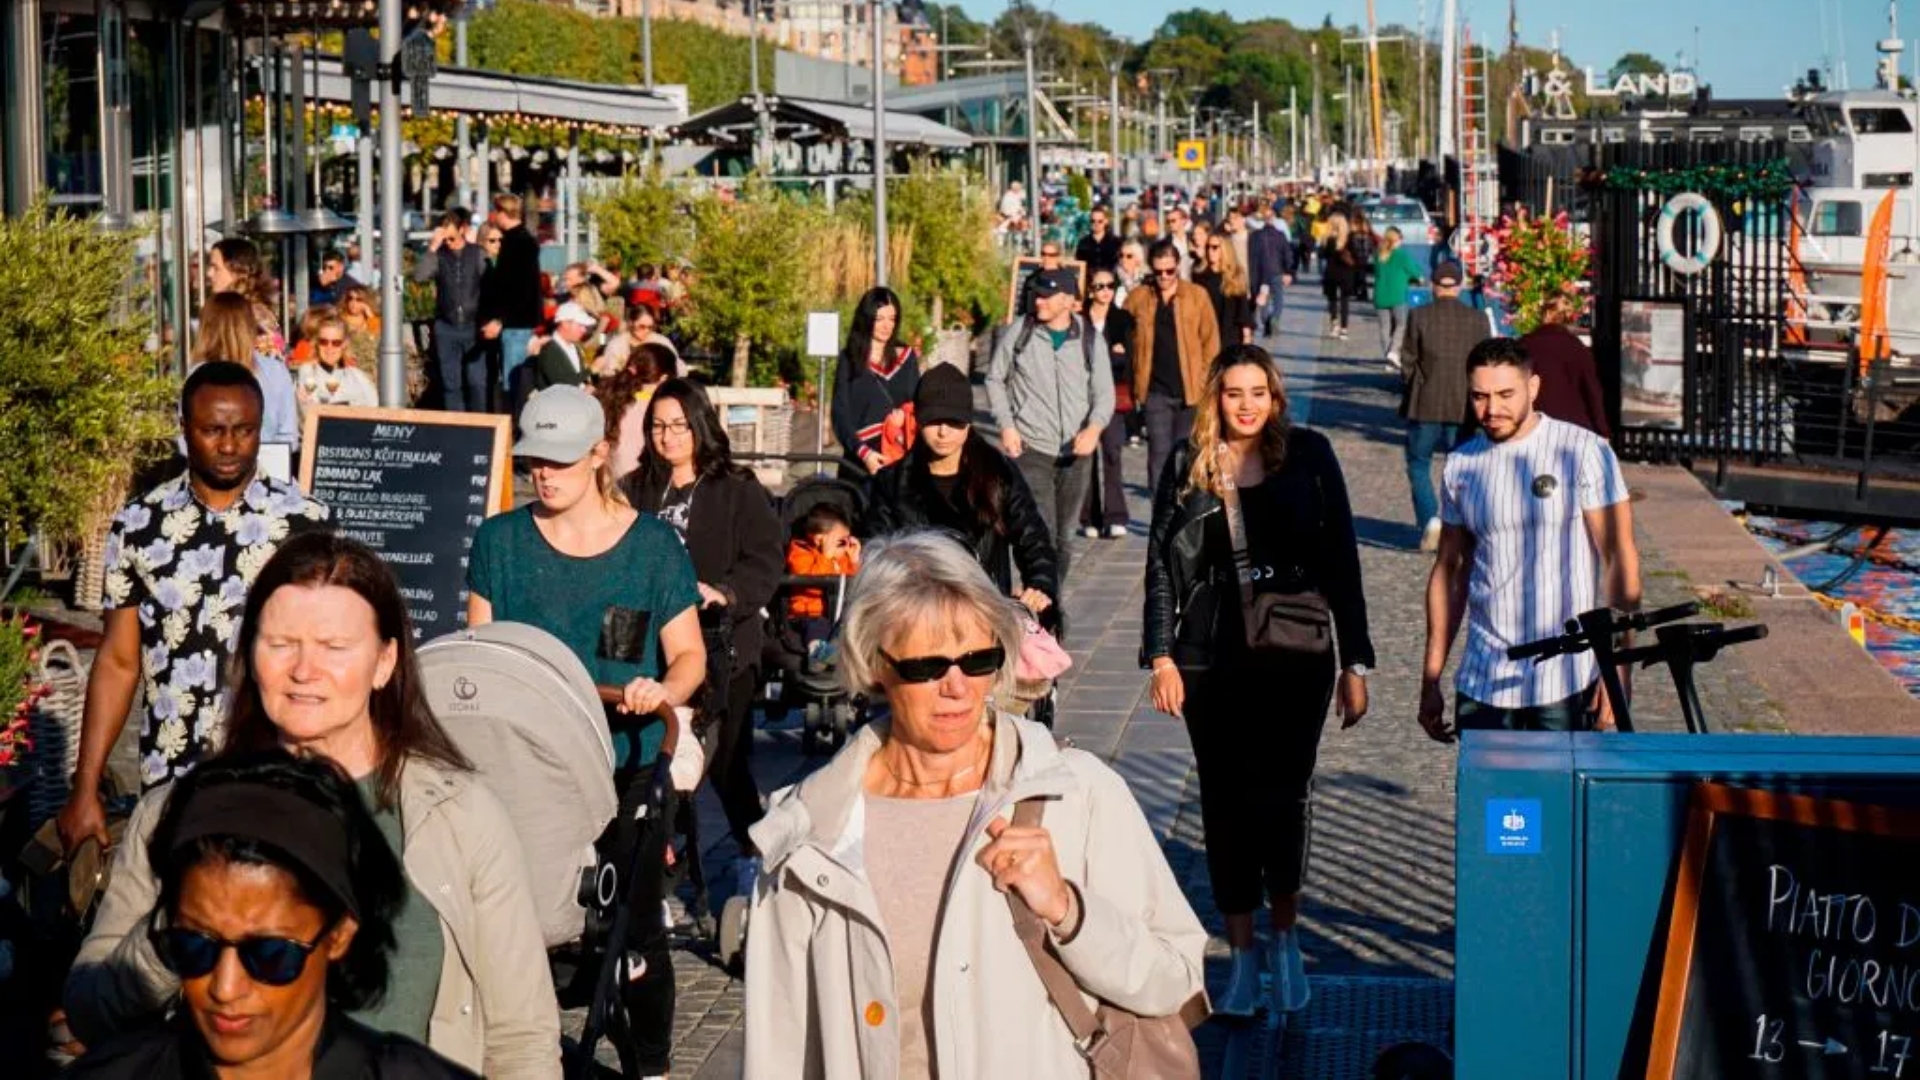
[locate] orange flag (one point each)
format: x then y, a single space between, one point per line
1873 286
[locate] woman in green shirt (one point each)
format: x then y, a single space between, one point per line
1394 272
619 589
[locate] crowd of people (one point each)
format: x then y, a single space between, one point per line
314 873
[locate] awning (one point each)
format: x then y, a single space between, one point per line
469 90
807 120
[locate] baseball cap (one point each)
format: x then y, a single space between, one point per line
560 423
1055 282
943 397
1448 275
574 313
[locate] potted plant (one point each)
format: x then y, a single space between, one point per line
1539 259
19 690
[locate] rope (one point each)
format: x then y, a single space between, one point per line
1871 614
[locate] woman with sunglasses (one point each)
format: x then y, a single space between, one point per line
916 844
331 376
1106 509
324 667
1226 283
277 899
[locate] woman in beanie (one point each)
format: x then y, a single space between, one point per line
954 479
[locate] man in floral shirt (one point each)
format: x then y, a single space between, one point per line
180 559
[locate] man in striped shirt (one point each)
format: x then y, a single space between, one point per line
1533 512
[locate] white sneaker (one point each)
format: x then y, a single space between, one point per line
1288 970
1242 995
1393 360
1430 536
1091 532
1116 532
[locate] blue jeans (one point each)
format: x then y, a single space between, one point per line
455 348
1425 439
513 350
1570 714
1270 312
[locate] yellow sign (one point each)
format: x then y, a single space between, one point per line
1191 155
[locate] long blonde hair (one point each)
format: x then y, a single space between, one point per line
1204 473
228 329
1390 240
1233 276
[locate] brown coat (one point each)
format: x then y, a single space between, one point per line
1198 329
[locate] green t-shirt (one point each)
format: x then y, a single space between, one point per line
1392 275
632 590
413 972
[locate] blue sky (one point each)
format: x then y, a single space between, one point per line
1748 48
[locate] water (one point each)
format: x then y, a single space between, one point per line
1890 590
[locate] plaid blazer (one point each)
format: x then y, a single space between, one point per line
1439 337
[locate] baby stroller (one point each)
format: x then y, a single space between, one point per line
805 673
526 712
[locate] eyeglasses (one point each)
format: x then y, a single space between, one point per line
1103 286
1049 254
330 342
1171 271
925 669
275 961
670 427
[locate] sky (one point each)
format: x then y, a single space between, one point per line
1748 48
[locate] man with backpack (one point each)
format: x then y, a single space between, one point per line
1050 388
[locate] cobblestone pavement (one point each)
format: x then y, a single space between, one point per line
1378 912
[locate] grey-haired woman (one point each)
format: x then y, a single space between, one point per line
882 943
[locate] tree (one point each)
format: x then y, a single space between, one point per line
644 220
1635 63
751 286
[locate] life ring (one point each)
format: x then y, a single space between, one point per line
1709 236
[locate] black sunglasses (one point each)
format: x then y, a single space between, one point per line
925 669
1100 286
274 961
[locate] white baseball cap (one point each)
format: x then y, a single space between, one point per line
560 424
574 313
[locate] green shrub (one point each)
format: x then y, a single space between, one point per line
81 401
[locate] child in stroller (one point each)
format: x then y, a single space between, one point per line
821 514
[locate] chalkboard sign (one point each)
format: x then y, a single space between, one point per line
1793 949
1024 268
414 486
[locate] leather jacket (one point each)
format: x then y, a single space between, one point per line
1190 568
904 497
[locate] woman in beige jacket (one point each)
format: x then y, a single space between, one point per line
326 667
882 943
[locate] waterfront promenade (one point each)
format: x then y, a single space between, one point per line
1379 900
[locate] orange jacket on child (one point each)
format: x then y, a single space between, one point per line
805 560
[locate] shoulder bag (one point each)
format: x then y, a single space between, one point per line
1276 622
1117 1044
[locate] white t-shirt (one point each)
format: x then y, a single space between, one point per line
1534 563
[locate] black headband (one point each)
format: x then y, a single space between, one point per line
308 834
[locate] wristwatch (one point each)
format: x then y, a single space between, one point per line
1360 670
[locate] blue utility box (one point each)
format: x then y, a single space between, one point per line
1565 856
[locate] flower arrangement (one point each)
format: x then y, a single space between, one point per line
1540 261
19 652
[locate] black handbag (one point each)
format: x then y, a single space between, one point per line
1299 623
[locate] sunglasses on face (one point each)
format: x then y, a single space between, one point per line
1103 286
1171 271
926 669
331 342
1049 254
273 961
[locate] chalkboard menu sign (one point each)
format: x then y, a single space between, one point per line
1793 949
413 486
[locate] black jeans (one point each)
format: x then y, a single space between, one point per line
728 769
1169 423
1339 290
1107 497
1569 714
649 999
463 367
1255 727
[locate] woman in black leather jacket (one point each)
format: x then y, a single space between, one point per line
954 479
1255 721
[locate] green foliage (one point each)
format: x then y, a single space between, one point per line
1767 180
19 656
644 220
954 257
751 288
1635 63
1541 262
525 37
80 399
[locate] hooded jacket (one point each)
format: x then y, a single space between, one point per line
820 985
495 1011
904 497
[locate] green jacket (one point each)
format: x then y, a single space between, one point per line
1391 276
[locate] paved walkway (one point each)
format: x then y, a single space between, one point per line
1378 916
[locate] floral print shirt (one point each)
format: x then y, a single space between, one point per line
187 568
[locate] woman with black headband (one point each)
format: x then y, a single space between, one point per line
277 894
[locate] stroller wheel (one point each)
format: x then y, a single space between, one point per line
814 736
731 943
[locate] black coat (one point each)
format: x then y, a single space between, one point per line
1118 334
510 289
347 1051
1270 254
904 498
1235 313
737 547
1190 578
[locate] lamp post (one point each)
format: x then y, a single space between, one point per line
759 99
1033 145
1113 133
879 145
393 357
646 43
462 127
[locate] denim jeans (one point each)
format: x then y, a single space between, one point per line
1424 440
1269 317
1169 422
1570 714
1059 483
513 350
463 367
1393 327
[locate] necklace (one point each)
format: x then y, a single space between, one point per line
948 779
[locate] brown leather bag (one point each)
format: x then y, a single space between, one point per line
1118 1045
